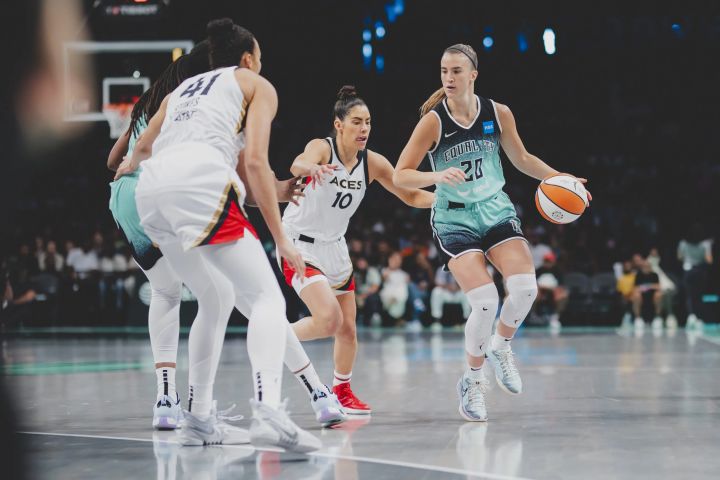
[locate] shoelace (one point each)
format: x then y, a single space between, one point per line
507 363
222 415
476 392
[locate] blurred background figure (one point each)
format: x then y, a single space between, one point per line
668 288
552 296
695 253
446 291
31 118
646 295
626 287
394 292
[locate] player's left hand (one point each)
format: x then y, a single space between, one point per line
290 190
126 168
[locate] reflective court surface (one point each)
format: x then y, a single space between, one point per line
596 405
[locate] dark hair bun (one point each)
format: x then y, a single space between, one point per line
347 92
219 27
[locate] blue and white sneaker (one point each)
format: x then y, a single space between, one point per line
506 373
167 413
212 430
272 427
327 407
471 392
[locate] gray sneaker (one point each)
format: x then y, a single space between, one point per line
272 427
506 373
326 405
472 398
213 430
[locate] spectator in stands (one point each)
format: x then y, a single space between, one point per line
538 249
394 292
446 291
552 296
72 253
86 264
421 277
695 253
49 260
24 264
667 287
367 288
626 286
646 292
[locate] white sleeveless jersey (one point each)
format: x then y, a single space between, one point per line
325 211
208 108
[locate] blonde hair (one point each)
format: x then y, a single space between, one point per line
439 94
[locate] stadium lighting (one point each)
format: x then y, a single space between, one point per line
367 50
379 30
549 41
522 42
367 35
488 42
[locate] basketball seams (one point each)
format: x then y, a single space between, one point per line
582 202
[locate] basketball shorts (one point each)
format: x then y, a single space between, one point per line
124 211
474 227
189 194
325 262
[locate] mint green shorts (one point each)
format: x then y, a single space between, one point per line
473 227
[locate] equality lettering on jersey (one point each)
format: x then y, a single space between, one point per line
469 146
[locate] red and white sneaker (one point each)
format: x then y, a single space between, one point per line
351 404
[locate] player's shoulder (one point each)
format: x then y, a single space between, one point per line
320 147
253 81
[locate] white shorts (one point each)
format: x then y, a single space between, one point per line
189 194
325 261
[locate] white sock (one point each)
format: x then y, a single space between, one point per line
298 362
339 378
475 373
166 382
200 400
309 378
499 342
267 386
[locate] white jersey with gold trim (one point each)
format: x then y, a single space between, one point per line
325 211
208 108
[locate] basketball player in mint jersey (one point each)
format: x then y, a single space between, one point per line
339 168
473 220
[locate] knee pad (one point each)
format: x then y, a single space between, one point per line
522 291
478 328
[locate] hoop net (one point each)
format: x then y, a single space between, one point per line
118 117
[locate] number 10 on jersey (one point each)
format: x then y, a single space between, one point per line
342 200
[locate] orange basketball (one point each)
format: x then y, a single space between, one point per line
561 198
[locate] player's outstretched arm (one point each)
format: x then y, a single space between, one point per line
143 146
380 169
524 161
261 111
289 190
313 162
421 141
118 152
510 141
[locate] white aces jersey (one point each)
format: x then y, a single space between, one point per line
325 211
208 108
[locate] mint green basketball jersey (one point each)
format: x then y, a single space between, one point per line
474 149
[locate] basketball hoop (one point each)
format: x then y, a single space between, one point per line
118 117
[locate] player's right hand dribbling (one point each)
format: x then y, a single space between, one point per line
451 176
291 254
317 172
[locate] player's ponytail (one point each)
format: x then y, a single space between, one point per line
228 43
437 97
